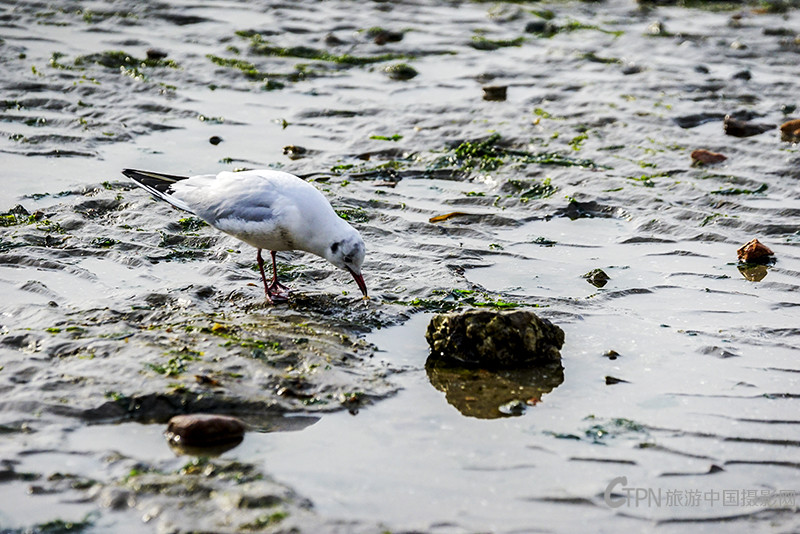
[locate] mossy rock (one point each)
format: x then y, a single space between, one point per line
495 338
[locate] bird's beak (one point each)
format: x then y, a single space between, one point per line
360 281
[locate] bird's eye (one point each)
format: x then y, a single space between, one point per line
334 247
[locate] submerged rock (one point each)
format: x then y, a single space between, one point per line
204 430
495 338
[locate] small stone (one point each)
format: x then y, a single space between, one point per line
706 156
382 37
754 252
611 354
400 71
611 380
156 54
514 407
495 339
743 75
739 128
294 152
597 277
495 93
790 131
544 28
215 140
204 430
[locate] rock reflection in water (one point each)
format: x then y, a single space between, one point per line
480 393
753 272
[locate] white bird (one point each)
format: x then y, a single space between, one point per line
266 209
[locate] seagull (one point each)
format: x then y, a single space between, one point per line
266 209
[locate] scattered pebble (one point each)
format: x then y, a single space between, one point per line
611 354
400 71
495 93
215 140
597 277
204 430
754 252
156 54
706 156
790 131
294 152
739 128
611 380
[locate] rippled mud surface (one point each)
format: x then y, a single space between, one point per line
492 155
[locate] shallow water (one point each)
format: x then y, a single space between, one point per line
106 285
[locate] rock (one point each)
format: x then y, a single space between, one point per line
611 380
400 71
381 37
754 252
156 54
495 339
790 131
294 151
597 277
738 128
204 430
495 93
694 120
706 156
215 140
543 27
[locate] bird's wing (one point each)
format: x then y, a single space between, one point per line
159 185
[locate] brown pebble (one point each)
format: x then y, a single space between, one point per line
754 252
204 430
790 131
706 156
495 93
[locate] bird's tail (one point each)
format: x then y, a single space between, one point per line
158 184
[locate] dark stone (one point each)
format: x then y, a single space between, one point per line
156 54
215 140
495 93
204 430
495 339
691 121
743 75
597 277
542 27
740 128
610 381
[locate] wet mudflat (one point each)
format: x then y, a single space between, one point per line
491 155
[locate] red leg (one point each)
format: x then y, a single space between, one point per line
276 292
263 276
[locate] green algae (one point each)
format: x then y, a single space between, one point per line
482 43
357 215
739 191
442 300
489 154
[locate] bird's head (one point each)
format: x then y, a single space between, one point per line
348 253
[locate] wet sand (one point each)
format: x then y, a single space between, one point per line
118 312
